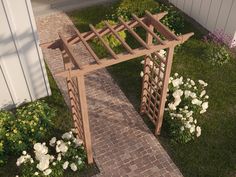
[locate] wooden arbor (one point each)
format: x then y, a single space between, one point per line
156 67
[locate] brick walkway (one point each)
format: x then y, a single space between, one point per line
122 143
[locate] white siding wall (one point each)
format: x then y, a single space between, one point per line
212 14
23 75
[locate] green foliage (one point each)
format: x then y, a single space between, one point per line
18 131
113 42
125 8
216 54
174 19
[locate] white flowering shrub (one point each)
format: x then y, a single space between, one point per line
65 154
186 100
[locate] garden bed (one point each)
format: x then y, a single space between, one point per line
214 153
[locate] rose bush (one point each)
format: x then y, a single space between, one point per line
64 154
186 100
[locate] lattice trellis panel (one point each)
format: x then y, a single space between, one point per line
155 83
72 85
154 71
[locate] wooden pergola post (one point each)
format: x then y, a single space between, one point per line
85 118
169 59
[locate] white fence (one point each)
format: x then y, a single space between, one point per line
212 14
23 75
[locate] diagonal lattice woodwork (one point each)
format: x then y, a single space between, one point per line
156 68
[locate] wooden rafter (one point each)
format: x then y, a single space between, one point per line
136 36
113 54
69 51
148 29
119 38
87 46
161 28
105 62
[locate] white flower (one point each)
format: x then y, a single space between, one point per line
67 136
52 141
43 165
59 157
61 147
195 121
78 142
206 96
187 93
198 130
192 129
65 165
202 83
80 162
205 105
172 106
196 101
162 53
193 95
202 111
73 167
190 113
141 74
47 172
177 82
177 101
24 152
142 62
36 173
178 93
192 82
203 93
190 119
185 107
176 74
58 142
54 163
40 148
182 128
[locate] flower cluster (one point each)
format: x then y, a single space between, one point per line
29 124
61 154
185 101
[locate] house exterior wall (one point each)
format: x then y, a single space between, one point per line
23 75
212 14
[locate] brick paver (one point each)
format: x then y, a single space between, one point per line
122 143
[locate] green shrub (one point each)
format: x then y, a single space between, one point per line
19 131
216 54
174 19
124 8
113 42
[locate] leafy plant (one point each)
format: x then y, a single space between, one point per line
60 157
18 131
124 8
216 54
216 48
186 100
113 42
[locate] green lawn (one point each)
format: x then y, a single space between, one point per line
214 153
